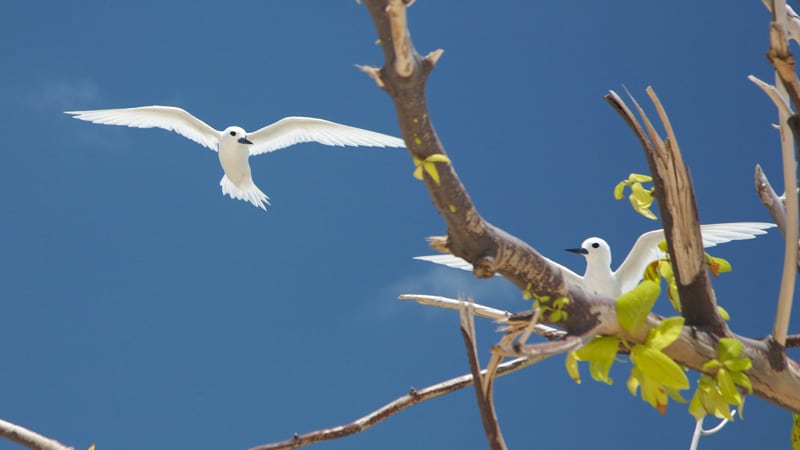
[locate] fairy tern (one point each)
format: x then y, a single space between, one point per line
601 280
235 145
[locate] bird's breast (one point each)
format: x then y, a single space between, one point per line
234 161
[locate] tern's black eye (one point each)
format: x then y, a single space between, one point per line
233 133
596 245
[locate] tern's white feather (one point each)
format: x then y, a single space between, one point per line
235 145
600 279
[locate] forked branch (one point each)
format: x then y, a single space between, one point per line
676 203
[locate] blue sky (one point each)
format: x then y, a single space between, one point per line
142 310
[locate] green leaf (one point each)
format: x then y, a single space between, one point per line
619 190
796 432
437 157
418 169
711 365
633 381
717 265
726 387
665 333
634 306
723 313
742 380
600 353
572 367
651 272
696 407
729 348
430 168
659 367
641 178
739 365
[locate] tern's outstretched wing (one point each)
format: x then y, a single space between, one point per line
455 262
645 250
166 117
294 130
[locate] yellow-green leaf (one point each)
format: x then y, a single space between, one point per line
437 157
723 313
600 353
640 177
742 380
729 348
572 367
634 306
633 381
696 407
665 333
711 365
659 367
717 265
739 365
430 168
726 387
796 432
418 169
619 190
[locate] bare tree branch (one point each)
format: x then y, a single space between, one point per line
676 202
379 415
783 61
480 311
484 385
28 438
789 274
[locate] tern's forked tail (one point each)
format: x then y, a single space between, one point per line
248 192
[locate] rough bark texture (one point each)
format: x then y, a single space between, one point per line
676 203
491 250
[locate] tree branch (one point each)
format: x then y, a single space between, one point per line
379 415
783 61
676 203
491 250
480 311
28 438
484 385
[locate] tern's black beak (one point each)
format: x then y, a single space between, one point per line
580 251
244 140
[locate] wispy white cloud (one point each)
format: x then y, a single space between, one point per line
454 283
53 94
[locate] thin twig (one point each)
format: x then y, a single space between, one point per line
773 203
379 415
28 438
789 133
480 311
782 60
483 384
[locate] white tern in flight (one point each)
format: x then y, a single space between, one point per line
601 280
234 145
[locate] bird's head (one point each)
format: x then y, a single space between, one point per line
595 250
235 134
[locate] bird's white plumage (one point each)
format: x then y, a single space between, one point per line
601 280
295 130
166 117
235 145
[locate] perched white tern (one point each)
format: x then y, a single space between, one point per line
235 145
601 280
